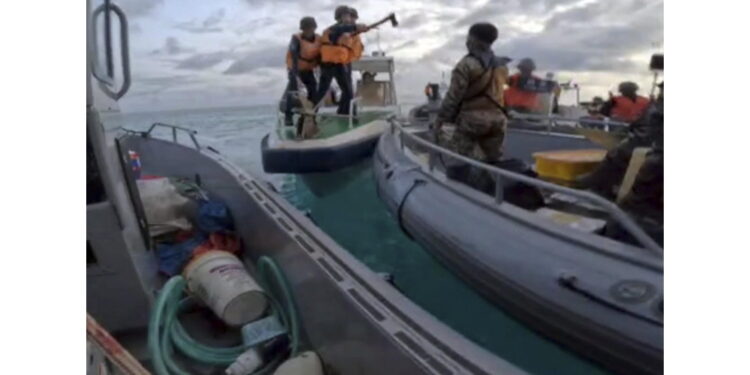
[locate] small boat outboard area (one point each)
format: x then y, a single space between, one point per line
551 213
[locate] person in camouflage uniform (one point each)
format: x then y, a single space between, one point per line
474 101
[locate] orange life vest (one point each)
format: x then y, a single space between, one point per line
339 53
357 48
309 53
627 110
515 97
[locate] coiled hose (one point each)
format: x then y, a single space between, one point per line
166 333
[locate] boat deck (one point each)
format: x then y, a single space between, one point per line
332 126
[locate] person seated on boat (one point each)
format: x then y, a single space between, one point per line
369 90
626 107
644 132
474 99
337 44
521 96
595 108
645 200
302 56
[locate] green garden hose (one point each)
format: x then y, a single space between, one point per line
166 333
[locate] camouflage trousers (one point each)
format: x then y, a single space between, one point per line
485 129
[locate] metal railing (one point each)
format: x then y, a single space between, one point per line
498 174
351 117
352 103
174 128
554 120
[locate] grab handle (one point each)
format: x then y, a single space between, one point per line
106 79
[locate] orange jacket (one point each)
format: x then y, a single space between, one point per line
340 53
357 48
309 53
627 110
515 97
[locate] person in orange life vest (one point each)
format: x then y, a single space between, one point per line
302 57
516 98
628 106
336 54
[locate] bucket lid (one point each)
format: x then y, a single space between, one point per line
206 256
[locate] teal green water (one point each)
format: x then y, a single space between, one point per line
345 205
355 217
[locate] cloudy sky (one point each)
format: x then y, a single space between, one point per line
198 54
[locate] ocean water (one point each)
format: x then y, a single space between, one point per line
345 205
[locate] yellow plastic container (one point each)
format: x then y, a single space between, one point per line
564 166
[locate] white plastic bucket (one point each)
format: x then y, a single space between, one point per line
221 281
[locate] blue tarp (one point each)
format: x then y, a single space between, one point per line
212 217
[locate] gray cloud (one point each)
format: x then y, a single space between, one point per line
214 18
496 11
209 25
202 61
254 25
134 28
596 38
172 47
272 56
599 36
139 8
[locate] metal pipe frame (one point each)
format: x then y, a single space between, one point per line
174 128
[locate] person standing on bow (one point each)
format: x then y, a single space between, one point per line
302 57
336 53
474 101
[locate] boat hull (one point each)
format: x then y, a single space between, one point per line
315 159
355 321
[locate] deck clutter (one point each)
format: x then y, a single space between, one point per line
552 213
196 247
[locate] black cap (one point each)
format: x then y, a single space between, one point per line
628 86
307 22
484 32
527 62
353 12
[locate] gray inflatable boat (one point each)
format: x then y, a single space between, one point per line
597 296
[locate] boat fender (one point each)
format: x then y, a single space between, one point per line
415 183
307 363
